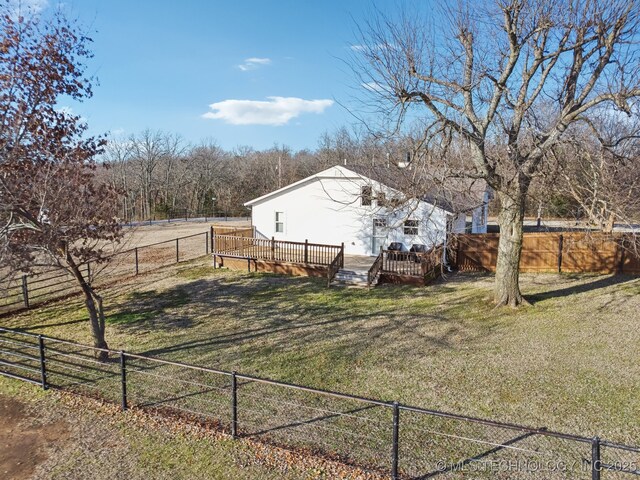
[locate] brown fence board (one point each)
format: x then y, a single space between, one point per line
575 252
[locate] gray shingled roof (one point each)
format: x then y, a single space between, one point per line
451 194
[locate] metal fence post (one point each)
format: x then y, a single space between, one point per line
177 250
136 252
396 437
596 467
25 291
43 368
123 378
234 405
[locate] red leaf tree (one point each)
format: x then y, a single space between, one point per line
53 210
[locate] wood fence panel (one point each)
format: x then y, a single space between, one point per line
591 252
540 253
631 264
583 253
477 253
234 231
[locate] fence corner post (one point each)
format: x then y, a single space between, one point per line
234 405
560 247
123 378
396 438
25 291
177 250
43 367
206 243
596 466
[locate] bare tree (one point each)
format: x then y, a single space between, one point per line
598 167
501 81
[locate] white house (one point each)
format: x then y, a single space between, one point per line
339 205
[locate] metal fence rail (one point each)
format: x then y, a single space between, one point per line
28 290
388 438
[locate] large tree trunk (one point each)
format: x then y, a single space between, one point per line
510 219
93 302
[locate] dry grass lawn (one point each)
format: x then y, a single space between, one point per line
569 362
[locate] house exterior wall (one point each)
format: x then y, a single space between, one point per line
480 215
327 209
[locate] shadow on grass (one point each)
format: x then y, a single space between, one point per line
152 310
277 313
599 282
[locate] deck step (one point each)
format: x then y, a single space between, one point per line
351 278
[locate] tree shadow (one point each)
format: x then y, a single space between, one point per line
295 314
598 283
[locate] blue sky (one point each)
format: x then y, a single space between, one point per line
161 64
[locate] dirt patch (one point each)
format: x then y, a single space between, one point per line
24 444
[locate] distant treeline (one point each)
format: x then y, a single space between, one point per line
160 175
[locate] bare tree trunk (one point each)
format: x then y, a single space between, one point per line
510 219
93 303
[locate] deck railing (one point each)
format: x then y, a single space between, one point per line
415 264
275 250
375 269
336 265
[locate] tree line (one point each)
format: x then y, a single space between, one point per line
588 178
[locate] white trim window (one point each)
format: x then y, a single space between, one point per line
279 219
411 227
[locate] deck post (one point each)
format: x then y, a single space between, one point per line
273 248
306 250
342 255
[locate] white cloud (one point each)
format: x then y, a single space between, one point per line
253 63
274 111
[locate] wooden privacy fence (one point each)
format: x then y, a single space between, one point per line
233 231
274 250
572 252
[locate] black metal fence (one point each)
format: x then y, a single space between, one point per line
388 438
29 290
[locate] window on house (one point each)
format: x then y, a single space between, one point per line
411 227
382 199
380 222
279 222
366 195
